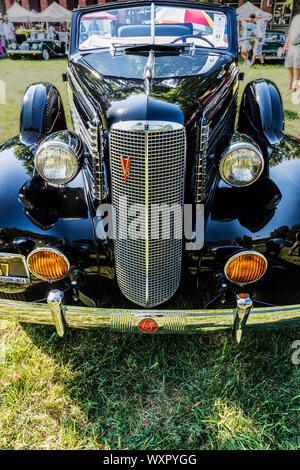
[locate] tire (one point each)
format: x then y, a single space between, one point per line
261 112
51 110
45 54
42 113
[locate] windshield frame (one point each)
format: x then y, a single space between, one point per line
228 11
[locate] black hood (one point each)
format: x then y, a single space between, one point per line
177 91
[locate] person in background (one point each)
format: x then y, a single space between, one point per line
94 28
296 244
248 28
261 26
2 37
292 47
51 31
9 30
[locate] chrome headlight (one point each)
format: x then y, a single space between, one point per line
242 163
13 46
58 158
35 46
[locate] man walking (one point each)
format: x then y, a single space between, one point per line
261 26
248 29
296 244
9 30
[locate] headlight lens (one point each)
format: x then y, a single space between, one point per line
56 163
13 46
35 46
241 165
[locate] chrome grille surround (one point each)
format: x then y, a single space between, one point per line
148 270
92 137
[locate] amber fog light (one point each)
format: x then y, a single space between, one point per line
245 267
48 264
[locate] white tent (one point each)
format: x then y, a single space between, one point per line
18 14
247 8
54 13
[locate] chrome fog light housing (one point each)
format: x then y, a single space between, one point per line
58 158
242 163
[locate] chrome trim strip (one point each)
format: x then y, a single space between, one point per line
35 51
184 321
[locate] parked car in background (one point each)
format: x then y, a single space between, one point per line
39 45
272 48
153 90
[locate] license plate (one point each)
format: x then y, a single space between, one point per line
13 269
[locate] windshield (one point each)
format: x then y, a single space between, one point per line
152 24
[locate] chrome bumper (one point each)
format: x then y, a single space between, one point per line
54 312
33 51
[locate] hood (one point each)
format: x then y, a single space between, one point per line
178 88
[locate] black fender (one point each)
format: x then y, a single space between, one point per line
42 113
34 215
261 111
263 217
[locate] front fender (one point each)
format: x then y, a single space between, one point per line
56 217
277 196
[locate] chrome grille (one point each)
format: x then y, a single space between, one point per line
93 139
148 270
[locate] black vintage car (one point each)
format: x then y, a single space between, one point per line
39 45
156 214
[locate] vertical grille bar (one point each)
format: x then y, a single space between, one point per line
148 269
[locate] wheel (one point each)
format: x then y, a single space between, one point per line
46 55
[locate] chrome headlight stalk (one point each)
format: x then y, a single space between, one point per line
242 163
59 158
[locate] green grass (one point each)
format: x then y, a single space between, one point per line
114 391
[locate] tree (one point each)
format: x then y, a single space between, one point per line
2 7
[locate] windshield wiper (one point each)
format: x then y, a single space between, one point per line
158 49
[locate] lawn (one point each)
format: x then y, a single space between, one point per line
92 390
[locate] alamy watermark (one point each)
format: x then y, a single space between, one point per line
124 221
296 354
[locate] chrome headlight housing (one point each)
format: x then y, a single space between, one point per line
58 158
242 163
35 46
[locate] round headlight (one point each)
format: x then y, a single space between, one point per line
57 159
241 164
35 46
13 46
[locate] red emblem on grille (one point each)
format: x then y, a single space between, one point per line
148 325
125 167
